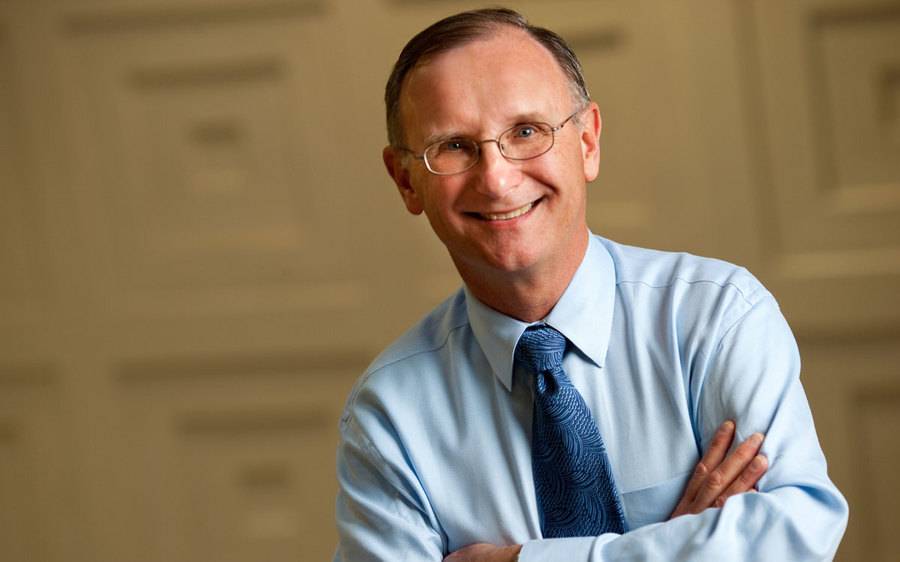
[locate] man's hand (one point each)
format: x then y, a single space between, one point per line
484 552
717 477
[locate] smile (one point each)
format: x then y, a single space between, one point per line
509 214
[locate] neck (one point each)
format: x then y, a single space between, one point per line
527 295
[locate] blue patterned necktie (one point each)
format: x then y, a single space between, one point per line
576 494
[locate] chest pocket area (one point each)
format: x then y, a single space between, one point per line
655 503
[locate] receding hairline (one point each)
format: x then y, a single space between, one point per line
461 29
487 31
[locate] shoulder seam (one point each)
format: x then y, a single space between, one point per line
745 296
741 317
419 352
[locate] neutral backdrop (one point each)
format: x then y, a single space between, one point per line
200 250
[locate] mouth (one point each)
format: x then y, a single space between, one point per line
507 215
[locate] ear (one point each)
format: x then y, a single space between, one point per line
394 161
590 141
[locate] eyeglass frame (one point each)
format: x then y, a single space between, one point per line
478 144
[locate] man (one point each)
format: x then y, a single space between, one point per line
556 407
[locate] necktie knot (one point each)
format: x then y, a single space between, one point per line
541 349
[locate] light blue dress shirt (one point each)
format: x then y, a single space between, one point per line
435 450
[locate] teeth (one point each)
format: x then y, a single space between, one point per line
510 215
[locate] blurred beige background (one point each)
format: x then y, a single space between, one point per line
200 251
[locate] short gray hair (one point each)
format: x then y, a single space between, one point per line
460 29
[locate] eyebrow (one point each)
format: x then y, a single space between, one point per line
443 137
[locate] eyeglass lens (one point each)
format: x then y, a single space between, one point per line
524 141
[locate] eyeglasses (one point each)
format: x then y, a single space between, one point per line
521 142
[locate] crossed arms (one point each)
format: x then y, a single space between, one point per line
390 504
717 477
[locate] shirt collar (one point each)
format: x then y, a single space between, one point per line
583 314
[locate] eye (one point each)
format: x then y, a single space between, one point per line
524 131
452 146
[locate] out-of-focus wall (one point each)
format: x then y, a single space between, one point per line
200 251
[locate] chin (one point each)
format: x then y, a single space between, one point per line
510 261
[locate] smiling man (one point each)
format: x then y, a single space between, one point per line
557 407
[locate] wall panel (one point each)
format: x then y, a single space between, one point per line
207 193
852 385
17 520
36 490
23 281
878 412
826 73
236 456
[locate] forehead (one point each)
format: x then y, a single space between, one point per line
482 85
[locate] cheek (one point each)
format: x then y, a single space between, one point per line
562 173
438 206
443 193
576 170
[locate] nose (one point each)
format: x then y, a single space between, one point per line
497 176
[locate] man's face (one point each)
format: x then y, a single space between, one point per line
500 216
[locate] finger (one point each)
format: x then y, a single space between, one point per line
718 447
722 477
746 481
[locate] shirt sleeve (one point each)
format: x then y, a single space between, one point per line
382 511
751 376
